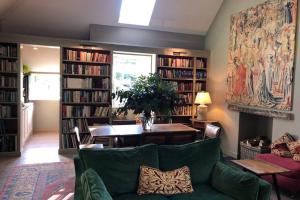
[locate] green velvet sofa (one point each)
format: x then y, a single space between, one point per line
113 173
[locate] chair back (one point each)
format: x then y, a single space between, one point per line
78 142
212 131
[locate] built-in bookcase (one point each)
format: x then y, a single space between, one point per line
188 75
86 92
9 99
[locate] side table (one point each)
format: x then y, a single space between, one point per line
261 168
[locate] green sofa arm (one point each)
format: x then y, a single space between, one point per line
264 191
78 171
239 184
93 187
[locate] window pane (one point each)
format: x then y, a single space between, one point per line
127 67
44 87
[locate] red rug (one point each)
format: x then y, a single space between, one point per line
40 181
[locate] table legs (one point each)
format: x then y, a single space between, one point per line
276 186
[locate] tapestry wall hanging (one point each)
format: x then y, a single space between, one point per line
261 55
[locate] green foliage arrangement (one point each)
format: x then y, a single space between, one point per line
148 93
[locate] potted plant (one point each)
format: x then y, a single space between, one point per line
148 95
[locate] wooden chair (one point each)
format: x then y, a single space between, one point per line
211 131
85 146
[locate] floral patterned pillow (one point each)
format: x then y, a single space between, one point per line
154 181
294 147
296 157
279 147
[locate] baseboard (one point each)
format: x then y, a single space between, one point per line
45 131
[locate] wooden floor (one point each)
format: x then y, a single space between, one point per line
40 148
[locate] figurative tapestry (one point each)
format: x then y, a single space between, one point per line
261 55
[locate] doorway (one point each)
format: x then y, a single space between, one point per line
40 97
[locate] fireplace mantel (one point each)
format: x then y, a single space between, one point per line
262 112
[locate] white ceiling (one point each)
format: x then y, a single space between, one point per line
71 18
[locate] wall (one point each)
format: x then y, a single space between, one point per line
217 42
145 38
44 59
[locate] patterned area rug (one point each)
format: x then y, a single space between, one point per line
39 181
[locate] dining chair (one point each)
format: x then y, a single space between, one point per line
85 146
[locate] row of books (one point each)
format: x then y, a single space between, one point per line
166 73
201 63
86 69
8 66
101 111
85 96
86 83
183 110
7 143
8 96
2 127
175 62
186 98
70 140
183 86
84 56
68 125
84 111
200 74
8 50
7 81
6 111
171 73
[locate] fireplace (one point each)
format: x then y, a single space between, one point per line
251 126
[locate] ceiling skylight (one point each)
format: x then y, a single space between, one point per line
136 12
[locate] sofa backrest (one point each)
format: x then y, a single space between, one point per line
119 168
200 157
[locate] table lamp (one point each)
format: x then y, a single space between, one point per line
202 99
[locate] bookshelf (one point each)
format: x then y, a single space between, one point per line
188 75
85 94
9 99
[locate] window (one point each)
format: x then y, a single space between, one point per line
43 86
127 67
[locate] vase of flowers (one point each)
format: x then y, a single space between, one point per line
148 95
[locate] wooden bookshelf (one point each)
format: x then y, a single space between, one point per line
85 93
9 99
187 74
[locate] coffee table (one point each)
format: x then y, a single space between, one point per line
261 168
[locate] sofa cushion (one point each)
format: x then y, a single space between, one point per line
202 192
200 157
140 197
154 181
119 168
234 182
93 187
287 163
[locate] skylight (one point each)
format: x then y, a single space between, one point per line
136 12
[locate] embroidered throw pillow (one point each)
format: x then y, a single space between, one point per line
279 147
154 181
296 157
294 147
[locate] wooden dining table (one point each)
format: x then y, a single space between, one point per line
116 131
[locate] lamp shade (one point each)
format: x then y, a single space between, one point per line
203 98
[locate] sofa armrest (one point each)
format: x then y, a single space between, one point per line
78 171
234 182
93 187
264 191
